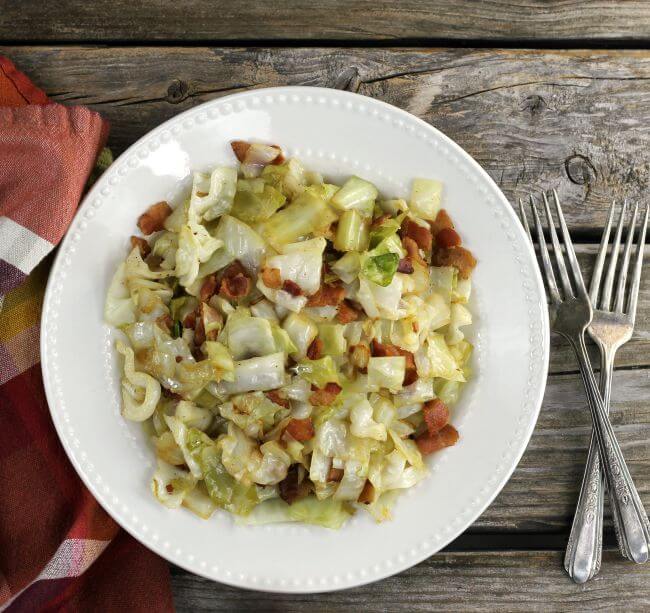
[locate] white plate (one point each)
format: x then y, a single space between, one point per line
337 133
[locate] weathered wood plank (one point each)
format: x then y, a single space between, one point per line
575 120
328 19
510 581
542 492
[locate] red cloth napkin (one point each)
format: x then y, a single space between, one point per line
59 550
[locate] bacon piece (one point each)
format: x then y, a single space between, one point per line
315 349
428 443
405 265
208 289
436 415
190 319
367 494
153 219
413 251
327 295
335 474
199 332
278 398
271 278
359 356
170 488
442 222
420 234
458 257
257 154
301 429
292 288
325 396
165 322
290 488
141 244
169 394
235 283
448 237
386 350
346 313
380 220
240 148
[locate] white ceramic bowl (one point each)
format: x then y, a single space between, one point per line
338 134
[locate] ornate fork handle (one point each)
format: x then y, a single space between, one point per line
633 526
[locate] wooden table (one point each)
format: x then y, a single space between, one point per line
542 94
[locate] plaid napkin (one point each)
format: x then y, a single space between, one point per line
59 550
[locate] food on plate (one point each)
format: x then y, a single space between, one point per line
292 346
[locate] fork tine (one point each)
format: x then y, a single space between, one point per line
524 220
606 298
568 245
619 302
600 258
636 278
549 275
557 250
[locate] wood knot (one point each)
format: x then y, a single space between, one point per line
579 169
349 80
535 104
177 91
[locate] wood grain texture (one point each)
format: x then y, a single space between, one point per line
469 581
304 20
575 120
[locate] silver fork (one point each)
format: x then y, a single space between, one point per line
611 327
570 313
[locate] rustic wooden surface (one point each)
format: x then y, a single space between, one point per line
306 20
575 119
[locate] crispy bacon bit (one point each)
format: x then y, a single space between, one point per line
428 443
405 266
301 429
386 350
458 257
327 295
335 474
326 395
367 494
410 376
380 220
420 234
169 394
290 488
170 488
315 349
413 251
141 244
292 288
436 415
257 154
208 289
199 332
198 354
190 319
153 219
165 322
240 148
359 356
235 283
346 313
271 278
276 396
179 358
442 222
447 237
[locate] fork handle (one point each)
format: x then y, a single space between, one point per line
634 528
584 548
